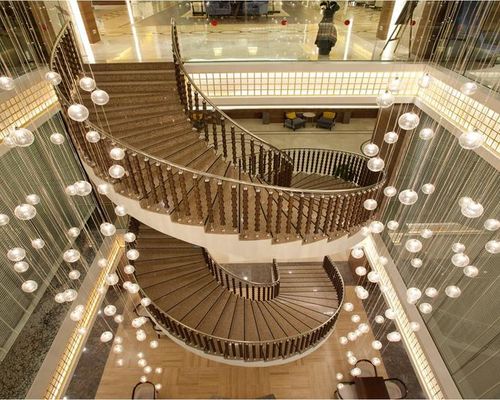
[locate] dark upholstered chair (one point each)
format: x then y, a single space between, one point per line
326 121
294 121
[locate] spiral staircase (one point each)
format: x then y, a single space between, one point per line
222 313
186 160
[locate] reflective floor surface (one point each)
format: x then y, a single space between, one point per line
141 32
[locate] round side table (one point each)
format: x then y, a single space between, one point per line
309 116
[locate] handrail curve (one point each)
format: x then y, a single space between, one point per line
242 287
177 55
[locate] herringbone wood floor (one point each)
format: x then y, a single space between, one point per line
186 375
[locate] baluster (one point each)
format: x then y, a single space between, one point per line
308 164
173 191
269 165
208 197
220 195
138 173
276 168
196 106
245 208
185 202
309 213
337 214
197 199
329 208
278 212
233 144
269 213
257 210
261 161
205 121
234 207
152 186
214 130
299 215
189 101
252 157
161 184
330 162
223 134
345 208
243 151
319 214
351 220
131 175
289 212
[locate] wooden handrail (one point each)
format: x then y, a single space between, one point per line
244 288
192 85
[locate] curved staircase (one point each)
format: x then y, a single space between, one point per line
213 310
185 157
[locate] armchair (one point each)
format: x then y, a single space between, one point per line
327 120
294 121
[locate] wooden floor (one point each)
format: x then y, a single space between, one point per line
186 375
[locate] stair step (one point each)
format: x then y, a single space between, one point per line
223 325
145 268
211 320
205 308
279 326
262 326
130 66
175 297
167 276
251 328
191 303
279 312
237 330
135 76
183 288
151 87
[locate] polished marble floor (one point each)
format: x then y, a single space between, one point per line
141 32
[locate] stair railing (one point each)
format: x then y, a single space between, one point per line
228 137
242 287
242 204
253 350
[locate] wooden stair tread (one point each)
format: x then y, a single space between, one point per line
191 303
252 332
223 325
206 307
184 287
237 330
141 269
169 280
264 330
211 320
